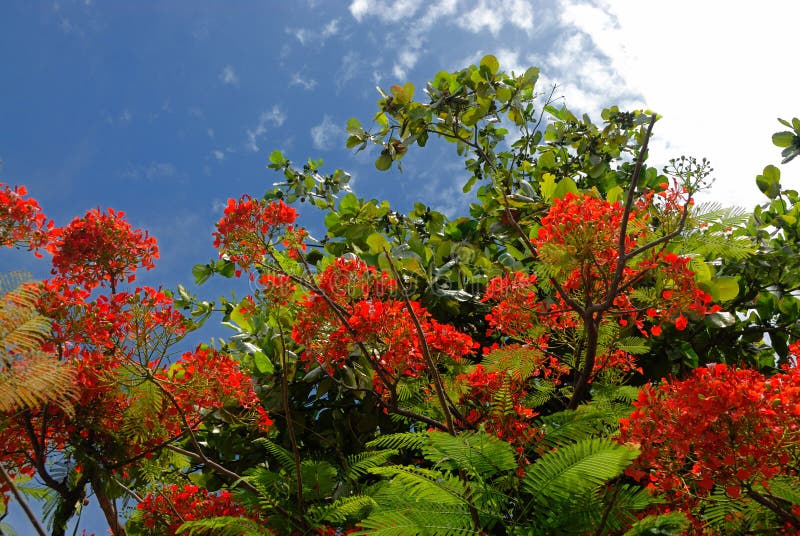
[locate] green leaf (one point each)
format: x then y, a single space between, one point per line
564 186
491 63
383 162
263 364
783 139
239 319
769 181
615 193
377 243
548 186
576 469
503 94
276 158
201 273
531 76
724 288
348 205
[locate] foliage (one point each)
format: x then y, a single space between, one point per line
498 373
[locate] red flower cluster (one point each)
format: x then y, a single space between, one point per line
163 514
100 248
205 380
247 230
582 230
21 219
276 289
494 399
353 292
720 426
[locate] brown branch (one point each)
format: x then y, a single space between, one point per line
290 424
426 352
22 502
626 215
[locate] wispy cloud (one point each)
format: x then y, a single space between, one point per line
386 10
493 16
151 171
217 154
326 135
305 82
274 117
308 36
229 76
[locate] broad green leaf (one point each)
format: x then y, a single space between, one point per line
262 363
614 194
724 288
783 139
548 186
503 94
377 243
769 181
491 63
276 158
564 186
383 162
531 76
240 319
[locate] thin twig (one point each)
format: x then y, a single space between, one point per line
426 352
22 502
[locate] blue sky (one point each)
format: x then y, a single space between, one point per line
165 109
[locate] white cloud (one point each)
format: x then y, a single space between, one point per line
151 171
307 36
274 117
330 29
386 10
229 76
405 61
716 78
305 82
349 68
219 155
493 16
327 135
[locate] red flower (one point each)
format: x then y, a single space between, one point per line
100 248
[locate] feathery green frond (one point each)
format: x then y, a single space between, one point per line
576 469
409 440
280 454
360 464
30 378
425 485
343 510
319 478
671 524
223 526
479 453
633 345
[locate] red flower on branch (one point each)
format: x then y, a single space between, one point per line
720 427
100 248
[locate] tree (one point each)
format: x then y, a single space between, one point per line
411 374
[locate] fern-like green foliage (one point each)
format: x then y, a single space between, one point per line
408 440
223 526
460 494
598 419
358 465
342 510
479 454
30 378
712 235
557 478
671 524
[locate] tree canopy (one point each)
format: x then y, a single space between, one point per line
588 350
